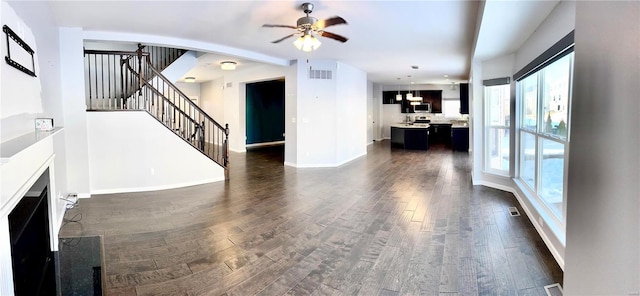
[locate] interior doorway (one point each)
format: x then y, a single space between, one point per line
264 117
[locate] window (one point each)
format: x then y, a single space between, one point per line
451 108
544 99
497 113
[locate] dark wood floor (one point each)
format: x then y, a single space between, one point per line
394 222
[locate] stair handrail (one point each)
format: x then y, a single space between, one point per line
185 98
172 113
182 95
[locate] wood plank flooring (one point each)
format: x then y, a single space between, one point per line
394 222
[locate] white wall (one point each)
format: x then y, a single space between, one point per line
559 23
192 90
331 119
212 99
74 107
603 228
371 102
352 113
291 115
131 151
377 111
317 115
21 93
179 67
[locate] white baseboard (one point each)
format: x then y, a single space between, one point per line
238 151
265 144
154 188
84 195
325 165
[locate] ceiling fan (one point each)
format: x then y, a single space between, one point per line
307 26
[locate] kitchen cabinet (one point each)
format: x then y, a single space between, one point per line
440 133
410 137
389 97
434 97
460 138
464 98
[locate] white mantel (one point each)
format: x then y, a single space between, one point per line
22 161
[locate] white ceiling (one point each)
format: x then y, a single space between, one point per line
385 37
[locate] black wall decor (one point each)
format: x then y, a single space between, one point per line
11 35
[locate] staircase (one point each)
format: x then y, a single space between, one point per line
121 80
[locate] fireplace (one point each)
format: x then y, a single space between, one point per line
31 255
30 195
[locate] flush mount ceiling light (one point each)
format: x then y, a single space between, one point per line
189 79
228 65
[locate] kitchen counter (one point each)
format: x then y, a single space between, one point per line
410 136
415 125
459 125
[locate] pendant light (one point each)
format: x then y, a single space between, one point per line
398 96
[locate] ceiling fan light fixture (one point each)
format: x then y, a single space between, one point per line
228 65
307 43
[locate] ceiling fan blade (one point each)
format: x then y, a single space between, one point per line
283 38
334 36
278 26
336 20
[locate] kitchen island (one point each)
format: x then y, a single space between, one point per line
410 136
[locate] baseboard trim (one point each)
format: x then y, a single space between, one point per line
264 144
155 188
327 165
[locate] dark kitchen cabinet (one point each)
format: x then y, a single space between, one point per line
464 98
460 139
440 133
410 138
389 97
434 97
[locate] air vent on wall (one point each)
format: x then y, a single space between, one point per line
320 74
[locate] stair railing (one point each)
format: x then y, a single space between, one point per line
133 83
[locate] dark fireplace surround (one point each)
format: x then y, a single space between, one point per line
29 230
